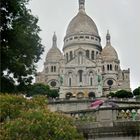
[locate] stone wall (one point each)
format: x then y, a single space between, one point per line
119 129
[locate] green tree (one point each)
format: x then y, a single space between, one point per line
38 89
136 91
111 94
123 94
53 94
11 106
40 125
20 44
30 119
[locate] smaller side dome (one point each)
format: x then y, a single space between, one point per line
109 53
54 54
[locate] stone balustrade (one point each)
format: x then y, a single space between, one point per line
105 122
75 104
106 114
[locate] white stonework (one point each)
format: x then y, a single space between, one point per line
84 68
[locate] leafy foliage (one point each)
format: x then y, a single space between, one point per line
121 94
20 44
40 125
111 94
54 94
41 89
136 91
30 119
38 89
11 105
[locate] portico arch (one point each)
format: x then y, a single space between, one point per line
80 95
91 95
68 95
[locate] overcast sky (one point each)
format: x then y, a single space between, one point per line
121 17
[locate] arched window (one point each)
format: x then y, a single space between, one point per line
91 95
87 53
103 68
90 73
80 75
80 95
67 57
75 37
92 55
123 75
68 95
110 67
80 59
69 82
54 68
71 56
81 37
51 68
87 37
91 83
107 67
116 67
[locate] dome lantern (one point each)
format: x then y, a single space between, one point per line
81 5
108 37
54 40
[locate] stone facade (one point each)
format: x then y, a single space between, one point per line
84 68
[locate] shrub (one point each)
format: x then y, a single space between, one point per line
31 120
136 92
123 94
11 106
38 89
40 125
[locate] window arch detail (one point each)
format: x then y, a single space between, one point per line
87 53
110 67
69 82
80 75
92 55
71 55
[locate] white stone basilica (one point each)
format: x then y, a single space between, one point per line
84 69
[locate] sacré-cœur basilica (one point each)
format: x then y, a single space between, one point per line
84 68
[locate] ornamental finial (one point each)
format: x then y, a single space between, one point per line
108 37
54 39
81 5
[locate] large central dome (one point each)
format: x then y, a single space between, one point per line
82 30
82 24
